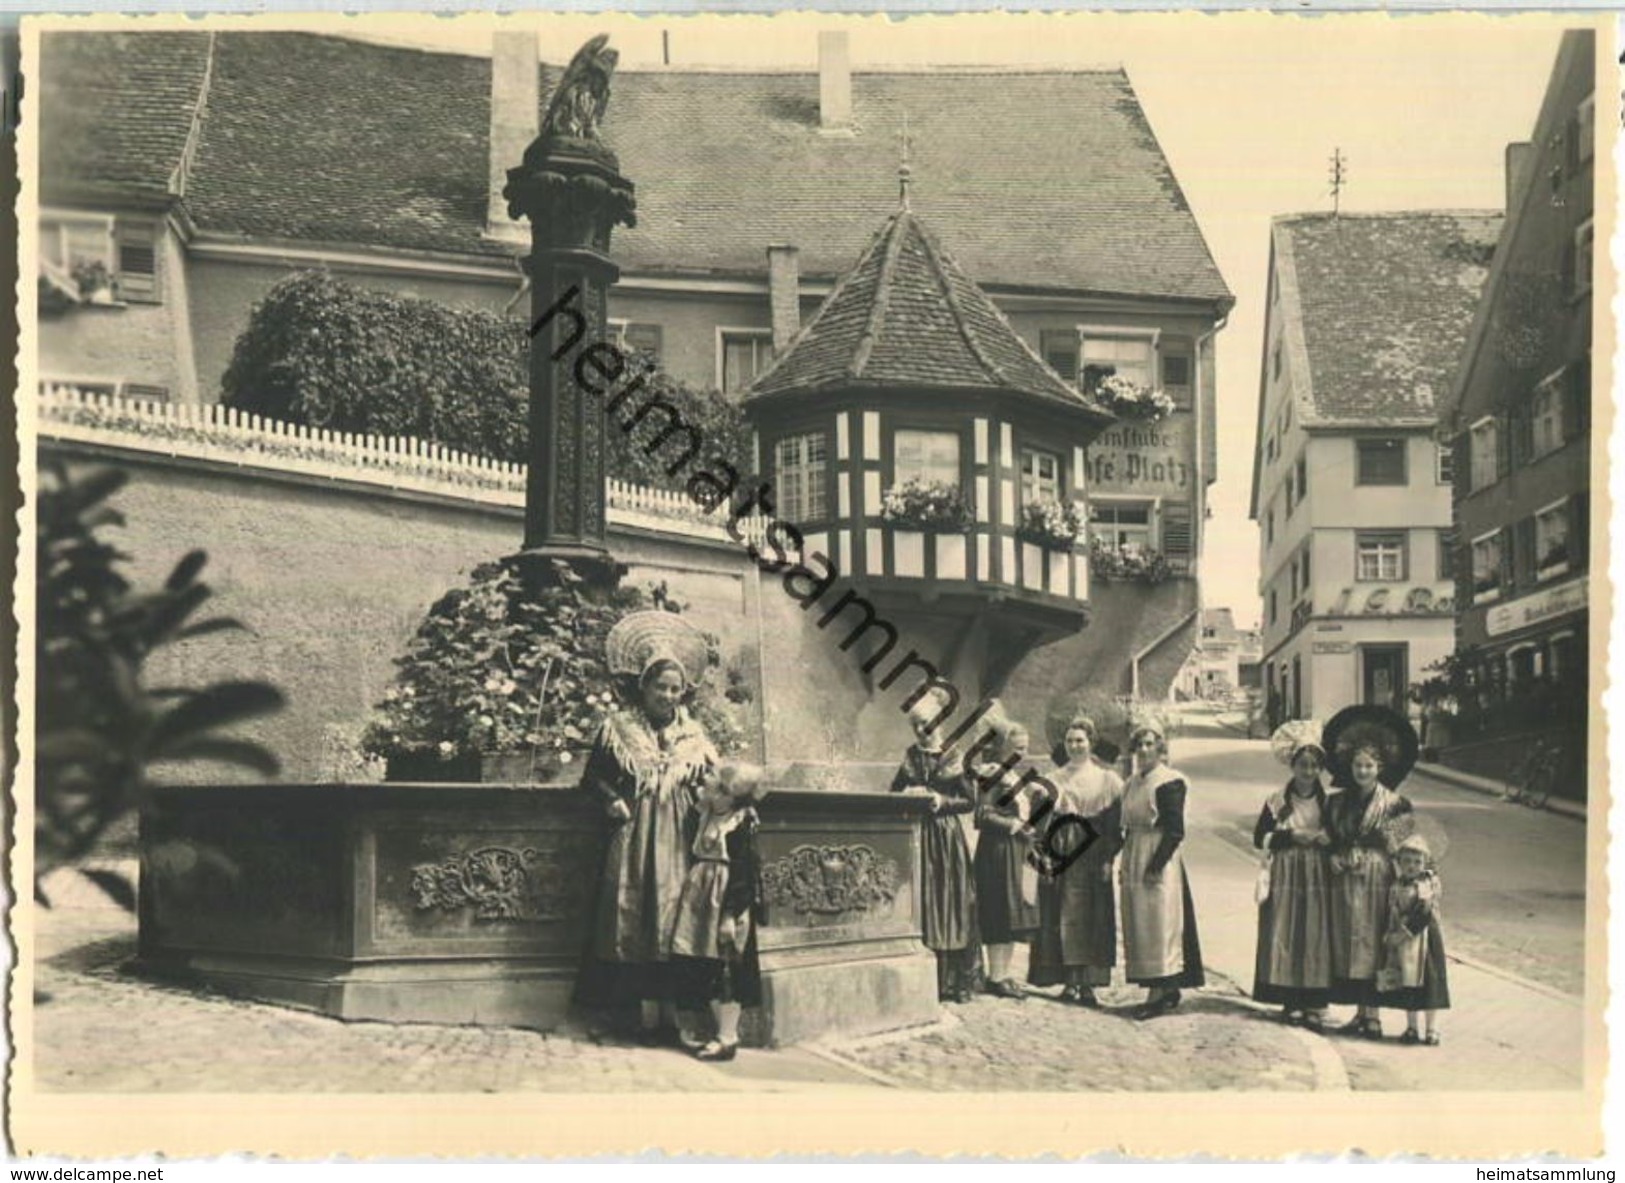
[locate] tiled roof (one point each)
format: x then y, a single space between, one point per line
1384 302
1041 179
115 110
906 316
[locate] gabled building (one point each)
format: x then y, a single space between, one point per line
1367 317
196 170
1519 421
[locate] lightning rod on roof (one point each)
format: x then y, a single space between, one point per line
904 170
1340 176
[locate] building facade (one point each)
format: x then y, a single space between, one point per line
247 157
1519 423
1367 315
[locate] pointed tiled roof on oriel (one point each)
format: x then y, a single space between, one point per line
907 317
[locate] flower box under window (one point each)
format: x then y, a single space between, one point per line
932 508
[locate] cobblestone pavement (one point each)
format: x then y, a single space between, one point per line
99 1029
1213 1041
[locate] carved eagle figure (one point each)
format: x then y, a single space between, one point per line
583 92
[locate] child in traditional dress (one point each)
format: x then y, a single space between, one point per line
1413 975
948 911
715 939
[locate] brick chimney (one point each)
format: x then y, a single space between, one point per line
784 293
834 81
1519 158
515 122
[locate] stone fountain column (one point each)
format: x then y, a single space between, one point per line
570 188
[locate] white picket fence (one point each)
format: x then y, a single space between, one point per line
227 435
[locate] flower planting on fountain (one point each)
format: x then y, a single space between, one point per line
497 668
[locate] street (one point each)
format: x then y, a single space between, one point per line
1513 915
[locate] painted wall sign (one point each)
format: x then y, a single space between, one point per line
1382 601
1143 458
1532 609
1333 647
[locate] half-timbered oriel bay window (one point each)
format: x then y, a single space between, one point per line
926 448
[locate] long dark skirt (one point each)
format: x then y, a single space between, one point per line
1293 967
1001 912
1077 928
949 905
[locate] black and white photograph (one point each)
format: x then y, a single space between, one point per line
906 577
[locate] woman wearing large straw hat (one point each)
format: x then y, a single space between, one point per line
645 767
1159 918
1294 914
1370 749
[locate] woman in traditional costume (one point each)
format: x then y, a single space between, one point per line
1414 975
1005 911
1294 912
1369 748
1159 919
647 762
948 905
721 906
1076 945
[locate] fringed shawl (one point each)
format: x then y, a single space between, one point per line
634 745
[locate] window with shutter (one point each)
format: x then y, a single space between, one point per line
1060 350
137 262
142 392
1176 534
1579 530
1576 399
1524 560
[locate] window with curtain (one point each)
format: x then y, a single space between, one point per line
929 457
1487 567
1552 540
1131 357
1485 454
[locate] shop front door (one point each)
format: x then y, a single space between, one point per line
1383 676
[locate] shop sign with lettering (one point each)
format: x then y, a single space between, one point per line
1148 458
1384 601
1333 647
1532 609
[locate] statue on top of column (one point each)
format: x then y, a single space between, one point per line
582 95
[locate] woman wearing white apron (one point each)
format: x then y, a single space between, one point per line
1159 919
